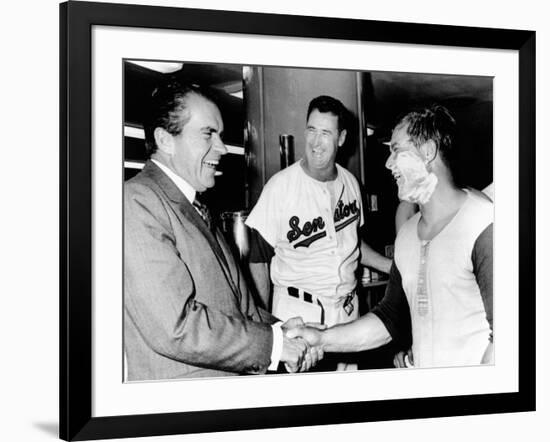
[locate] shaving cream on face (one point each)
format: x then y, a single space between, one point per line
415 183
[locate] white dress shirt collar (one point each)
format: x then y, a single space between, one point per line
180 183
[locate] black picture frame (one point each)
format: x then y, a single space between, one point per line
76 21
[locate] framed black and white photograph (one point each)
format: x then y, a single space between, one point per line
226 173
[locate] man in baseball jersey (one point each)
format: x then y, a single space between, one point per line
306 224
440 291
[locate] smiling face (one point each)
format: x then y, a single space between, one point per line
322 141
197 150
400 142
406 162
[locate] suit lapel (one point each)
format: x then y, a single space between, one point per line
187 211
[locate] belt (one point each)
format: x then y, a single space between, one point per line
307 297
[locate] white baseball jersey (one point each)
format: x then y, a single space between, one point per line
313 228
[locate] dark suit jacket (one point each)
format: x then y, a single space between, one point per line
187 309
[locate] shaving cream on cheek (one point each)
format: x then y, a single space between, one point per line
415 183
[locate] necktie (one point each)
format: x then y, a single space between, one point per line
203 212
208 220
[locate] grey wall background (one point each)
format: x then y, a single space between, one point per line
29 220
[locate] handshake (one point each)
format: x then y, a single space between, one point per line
302 345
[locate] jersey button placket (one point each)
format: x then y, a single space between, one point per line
330 220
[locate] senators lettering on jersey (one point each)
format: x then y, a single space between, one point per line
342 212
307 230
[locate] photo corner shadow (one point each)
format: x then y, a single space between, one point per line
50 428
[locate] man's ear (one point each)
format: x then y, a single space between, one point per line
164 140
342 137
429 150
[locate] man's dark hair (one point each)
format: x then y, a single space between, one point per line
432 123
168 109
326 104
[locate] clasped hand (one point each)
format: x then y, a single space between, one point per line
299 352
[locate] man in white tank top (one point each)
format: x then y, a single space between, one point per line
439 301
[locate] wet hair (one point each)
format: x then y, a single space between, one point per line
433 123
168 109
326 104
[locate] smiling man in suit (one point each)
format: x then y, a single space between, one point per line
187 309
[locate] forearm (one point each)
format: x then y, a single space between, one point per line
482 261
365 333
204 337
260 276
371 258
212 338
